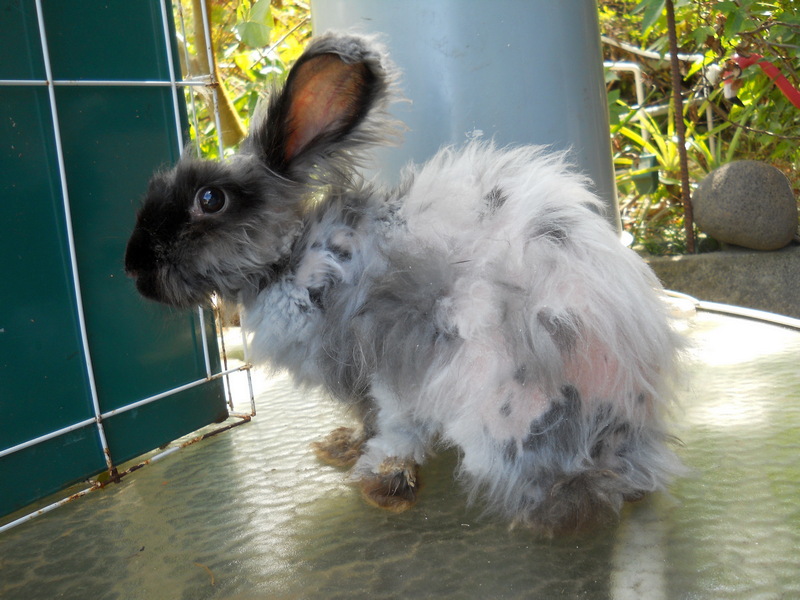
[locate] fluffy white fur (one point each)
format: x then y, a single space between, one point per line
483 304
543 250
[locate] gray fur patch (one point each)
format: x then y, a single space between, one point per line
510 451
495 199
505 409
396 330
559 427
554 231
562 329
341 254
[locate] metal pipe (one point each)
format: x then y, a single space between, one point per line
738 311
171 391
199 81
638 80
212 75
45 437
204 338
71 240
45 510
649 54
246 357
123 409
97 485
98 417
187 60
171 69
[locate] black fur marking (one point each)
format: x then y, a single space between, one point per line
554 231
353 212
571 395
521 374
505 409
445 335
614 438
615 443
495 199
341 254
558 426
316 296
561 329
273 272
510 451
623 433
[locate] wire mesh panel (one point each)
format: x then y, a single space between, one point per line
90 374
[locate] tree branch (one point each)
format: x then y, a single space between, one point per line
680 128
232 129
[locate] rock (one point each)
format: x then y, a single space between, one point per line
747 203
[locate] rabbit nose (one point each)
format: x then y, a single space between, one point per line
139 255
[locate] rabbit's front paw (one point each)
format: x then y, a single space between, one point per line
341 447
394 486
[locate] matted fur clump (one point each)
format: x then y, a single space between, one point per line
482 304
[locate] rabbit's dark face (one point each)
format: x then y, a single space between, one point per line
229 227
209 227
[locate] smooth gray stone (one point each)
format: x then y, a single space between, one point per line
747 203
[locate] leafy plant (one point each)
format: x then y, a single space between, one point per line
254 43
764 125
648 147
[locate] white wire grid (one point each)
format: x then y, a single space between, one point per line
176 85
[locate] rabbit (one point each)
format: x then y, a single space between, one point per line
482 304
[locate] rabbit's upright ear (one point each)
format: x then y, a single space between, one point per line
333 102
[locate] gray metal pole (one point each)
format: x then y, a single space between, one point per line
516 71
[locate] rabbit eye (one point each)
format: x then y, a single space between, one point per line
211 199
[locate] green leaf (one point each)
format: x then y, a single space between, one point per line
615 110
255 35
652 10
734 24
702 33
726 7
262 13
244 62
710 58
638 139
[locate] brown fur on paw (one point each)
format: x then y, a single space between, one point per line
394 487
577 503
636 496
341 447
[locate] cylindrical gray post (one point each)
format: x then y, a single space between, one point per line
516 71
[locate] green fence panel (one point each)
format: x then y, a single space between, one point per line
112 138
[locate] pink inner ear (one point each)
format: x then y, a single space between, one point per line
324 96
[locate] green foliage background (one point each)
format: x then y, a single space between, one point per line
766 126
256 41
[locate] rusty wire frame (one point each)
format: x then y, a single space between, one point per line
194 84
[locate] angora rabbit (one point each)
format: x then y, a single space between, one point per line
483 304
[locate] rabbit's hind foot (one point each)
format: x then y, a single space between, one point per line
394 487
341 447
580 502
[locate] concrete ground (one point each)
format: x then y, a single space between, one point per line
768 281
